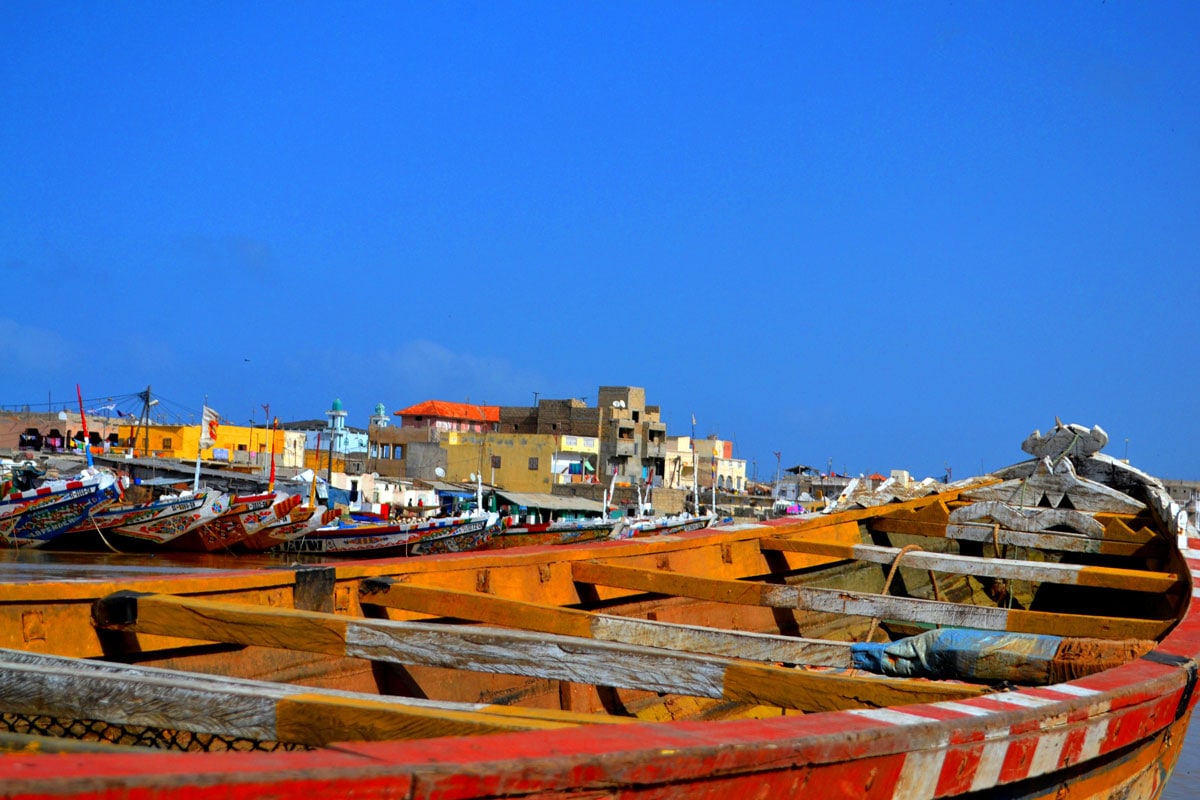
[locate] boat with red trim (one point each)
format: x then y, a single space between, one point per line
34 516
1026 634
458 533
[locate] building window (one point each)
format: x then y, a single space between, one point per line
374 450
495 462
386 450
397 452
533 463
241 447
166 445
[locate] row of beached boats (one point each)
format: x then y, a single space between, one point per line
1028 634
75 512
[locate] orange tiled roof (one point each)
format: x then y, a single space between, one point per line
446 410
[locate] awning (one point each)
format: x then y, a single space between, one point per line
551 502
450 489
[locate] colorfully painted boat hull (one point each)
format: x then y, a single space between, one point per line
245 517
386 540
301 522
35 517
552 533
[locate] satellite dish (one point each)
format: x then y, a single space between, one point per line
441 473
472 476
62 415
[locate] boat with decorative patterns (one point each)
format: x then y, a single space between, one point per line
153 526
661 526
452 534
35 516
1026 634
515 533
244 517
117 514
299 522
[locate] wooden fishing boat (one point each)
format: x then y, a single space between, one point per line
526 534
1035 628
299 522
158 529
117 514
35 516
455 534
661 526
244 517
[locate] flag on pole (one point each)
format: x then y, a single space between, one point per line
208 427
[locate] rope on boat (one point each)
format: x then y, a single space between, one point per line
887 584
100 533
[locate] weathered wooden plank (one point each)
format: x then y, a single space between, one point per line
988 534
837 601
1010 569
606 627
40 685
484 649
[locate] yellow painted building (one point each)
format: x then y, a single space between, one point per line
235 444
519 462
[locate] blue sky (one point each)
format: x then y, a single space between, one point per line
882 235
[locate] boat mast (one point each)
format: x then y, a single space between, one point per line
87 439
199 444
146 412
143 419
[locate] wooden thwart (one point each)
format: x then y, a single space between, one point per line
1010 569
53 686
548 656
574 622
863 604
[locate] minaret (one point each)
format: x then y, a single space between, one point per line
337 426
380 418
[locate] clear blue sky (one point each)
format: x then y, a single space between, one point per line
890 235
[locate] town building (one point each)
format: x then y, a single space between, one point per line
633 437
704 463
555 443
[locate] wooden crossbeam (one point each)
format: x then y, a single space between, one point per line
863 604
606 627
484 649
54 686
1009 569
1043 540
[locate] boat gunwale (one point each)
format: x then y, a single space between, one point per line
1157 686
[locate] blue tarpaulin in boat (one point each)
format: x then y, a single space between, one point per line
963 654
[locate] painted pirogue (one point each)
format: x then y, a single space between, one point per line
1028 634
